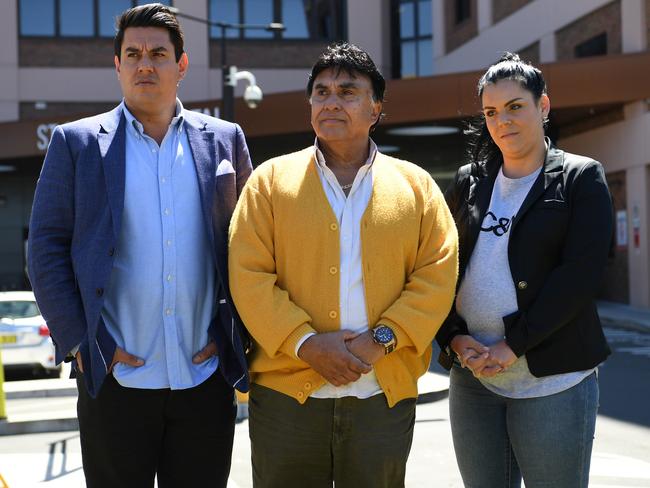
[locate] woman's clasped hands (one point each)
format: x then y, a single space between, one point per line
481 360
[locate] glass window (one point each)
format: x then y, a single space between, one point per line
18 309
425 19
294 17
425 57
407 20
258 12
463 10
37 18
303 19
413 43
596 46
409 60
224 11
109 10
76 18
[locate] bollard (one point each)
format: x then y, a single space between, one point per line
3 410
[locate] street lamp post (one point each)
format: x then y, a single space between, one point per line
227 111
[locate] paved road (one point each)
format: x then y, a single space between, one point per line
625 377
621 455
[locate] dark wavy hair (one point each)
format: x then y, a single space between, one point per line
150 15
343 56
481 148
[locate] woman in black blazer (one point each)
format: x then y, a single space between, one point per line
523 339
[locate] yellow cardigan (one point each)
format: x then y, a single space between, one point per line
284 260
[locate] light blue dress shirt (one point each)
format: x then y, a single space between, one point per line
161 295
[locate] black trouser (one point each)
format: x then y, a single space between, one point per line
128 435
350 442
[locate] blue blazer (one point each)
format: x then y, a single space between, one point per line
75 224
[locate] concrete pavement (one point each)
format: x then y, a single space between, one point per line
624 316
621 456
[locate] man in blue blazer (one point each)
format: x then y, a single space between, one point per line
128 261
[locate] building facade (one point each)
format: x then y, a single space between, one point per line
57 65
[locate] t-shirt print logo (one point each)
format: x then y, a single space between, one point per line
499 226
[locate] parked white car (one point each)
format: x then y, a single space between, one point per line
24 336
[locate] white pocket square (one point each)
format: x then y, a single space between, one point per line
225 168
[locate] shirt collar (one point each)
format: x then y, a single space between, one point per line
136 127
320 158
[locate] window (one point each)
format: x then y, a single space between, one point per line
413 49
463 10
76 18
37 25
596 46
72 18
317 20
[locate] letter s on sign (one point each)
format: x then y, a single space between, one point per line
43 134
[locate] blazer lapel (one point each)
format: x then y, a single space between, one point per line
478 201
202 144
112 148
552 169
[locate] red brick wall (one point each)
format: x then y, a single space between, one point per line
458 34
98 53
605 19
267 54
66 52
503 8
530 53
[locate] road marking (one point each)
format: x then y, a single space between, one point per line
629 341
614 468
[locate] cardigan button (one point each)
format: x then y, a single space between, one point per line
111 251
334 226
522 285
333 270
99 292
333 314
308 386
300 394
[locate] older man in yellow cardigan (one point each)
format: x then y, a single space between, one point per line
343 264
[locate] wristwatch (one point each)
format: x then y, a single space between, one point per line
385 337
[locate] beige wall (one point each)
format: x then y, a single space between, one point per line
633 18
369 28
537 20
195 86
60 84
8 62
625 146
270 80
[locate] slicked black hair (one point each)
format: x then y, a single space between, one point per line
482 149
150 15
343 56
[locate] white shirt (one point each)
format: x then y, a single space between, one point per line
352 298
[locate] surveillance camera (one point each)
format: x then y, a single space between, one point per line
253 96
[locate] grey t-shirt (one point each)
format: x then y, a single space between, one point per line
487 293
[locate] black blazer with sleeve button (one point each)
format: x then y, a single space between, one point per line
558 247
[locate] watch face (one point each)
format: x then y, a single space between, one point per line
383 334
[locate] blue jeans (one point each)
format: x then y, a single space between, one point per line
497 440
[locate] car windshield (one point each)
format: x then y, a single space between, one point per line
18 309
